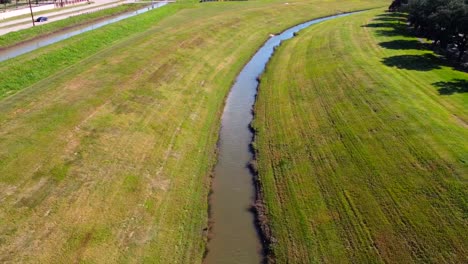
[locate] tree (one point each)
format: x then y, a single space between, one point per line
396 5
460 32
443 21
5 2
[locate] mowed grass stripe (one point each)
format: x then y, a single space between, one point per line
359 161
451 110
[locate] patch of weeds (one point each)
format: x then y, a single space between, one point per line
131 183
102 234
150 205
59 172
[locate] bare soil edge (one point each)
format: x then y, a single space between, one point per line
208 230
259 208
89 22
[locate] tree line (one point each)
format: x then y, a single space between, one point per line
445 22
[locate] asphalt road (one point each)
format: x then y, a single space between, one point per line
23 23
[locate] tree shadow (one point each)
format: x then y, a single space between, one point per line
401 44
392 25
394 32
389 27
455 86
425 62
390 19
392 15
380 25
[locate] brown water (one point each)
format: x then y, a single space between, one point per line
234 236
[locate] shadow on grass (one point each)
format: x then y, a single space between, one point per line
424 62
455 86
395 32
380 25
401 44
393 25
392 15
390 26
391 19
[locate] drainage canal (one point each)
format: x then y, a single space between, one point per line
234 237
28 46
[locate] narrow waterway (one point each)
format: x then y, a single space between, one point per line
234 236
29 46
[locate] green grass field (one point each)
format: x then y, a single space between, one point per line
16 37
106 151
362 146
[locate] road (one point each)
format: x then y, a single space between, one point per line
23 23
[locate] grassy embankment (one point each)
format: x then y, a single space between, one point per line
362 147
105 151
16 37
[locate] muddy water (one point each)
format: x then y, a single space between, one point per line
234 237
26 47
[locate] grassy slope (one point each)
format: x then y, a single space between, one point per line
362 161
106 158
16 37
